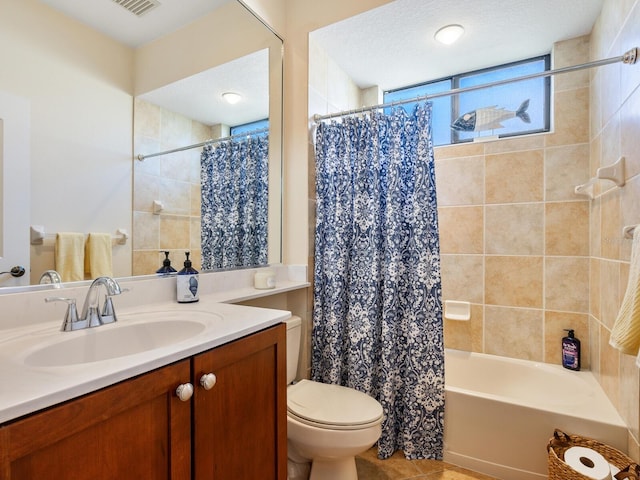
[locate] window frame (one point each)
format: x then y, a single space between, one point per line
454 81
251 126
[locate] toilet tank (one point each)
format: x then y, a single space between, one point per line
294 334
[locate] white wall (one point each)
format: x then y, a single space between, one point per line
14 186
79 84
272 12
302 17
165 61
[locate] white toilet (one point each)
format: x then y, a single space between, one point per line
327 425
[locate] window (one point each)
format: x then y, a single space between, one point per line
516 108
250 127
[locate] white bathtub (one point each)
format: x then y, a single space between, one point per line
500 413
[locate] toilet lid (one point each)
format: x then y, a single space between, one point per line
332 405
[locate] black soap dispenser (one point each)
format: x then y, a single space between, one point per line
187 283
166 268
570 351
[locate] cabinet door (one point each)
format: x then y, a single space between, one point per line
240 425
137 429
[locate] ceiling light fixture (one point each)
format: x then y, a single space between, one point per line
449 34
231 97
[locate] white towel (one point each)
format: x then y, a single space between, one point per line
97 256
69 256
625 334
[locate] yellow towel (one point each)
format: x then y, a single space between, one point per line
97 255
69 256
625 334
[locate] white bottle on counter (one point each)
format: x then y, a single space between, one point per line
187 283
264 279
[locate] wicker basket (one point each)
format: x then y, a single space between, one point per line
561 442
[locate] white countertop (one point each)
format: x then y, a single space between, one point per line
27 389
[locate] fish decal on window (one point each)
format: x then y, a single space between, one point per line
489 118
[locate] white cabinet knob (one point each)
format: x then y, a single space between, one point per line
184 392
208 380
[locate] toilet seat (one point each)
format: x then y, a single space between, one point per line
333 407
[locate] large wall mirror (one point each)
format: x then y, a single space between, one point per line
96 103
190 111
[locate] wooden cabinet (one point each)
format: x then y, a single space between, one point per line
135 429
236 433
140 429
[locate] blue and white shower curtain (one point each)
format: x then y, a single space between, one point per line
234 177
377 318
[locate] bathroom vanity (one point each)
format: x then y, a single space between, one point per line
150 424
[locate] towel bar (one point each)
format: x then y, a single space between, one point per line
38 234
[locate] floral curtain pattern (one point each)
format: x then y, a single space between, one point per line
234 179
377 318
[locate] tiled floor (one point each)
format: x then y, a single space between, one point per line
398 468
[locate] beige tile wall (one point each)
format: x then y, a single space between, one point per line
174 180
530 256
614 132
514 237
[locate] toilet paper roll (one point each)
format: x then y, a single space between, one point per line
588 463
614 471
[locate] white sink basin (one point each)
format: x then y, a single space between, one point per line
148 331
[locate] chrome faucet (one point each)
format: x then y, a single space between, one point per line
90 311
91 316
52 277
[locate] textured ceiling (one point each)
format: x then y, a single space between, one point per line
392 46
199 97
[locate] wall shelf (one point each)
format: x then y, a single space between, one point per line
627 231
614 173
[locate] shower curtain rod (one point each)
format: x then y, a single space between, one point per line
629 58
202 144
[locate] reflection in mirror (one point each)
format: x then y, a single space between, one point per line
180 104
194 121
14 189
1 183
234 193
80 123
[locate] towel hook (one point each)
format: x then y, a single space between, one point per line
16 271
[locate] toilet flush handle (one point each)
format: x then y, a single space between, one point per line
208 380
